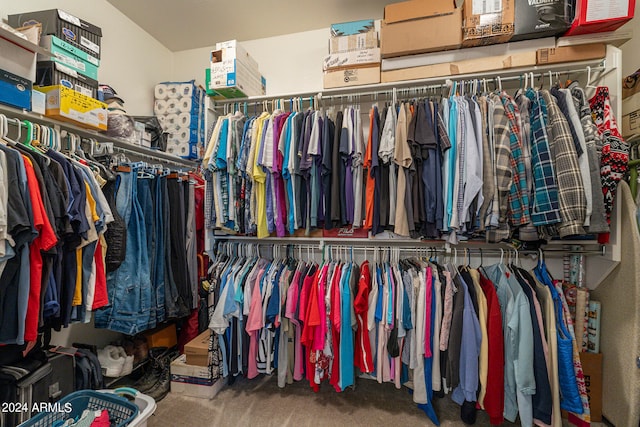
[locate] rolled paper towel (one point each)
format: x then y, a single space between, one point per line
185 90
185 105
172 106
181 135
173 91
160 107
184 120
161 91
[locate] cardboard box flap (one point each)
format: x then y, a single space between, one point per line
418 9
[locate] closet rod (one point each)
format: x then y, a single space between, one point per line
421 84
123 150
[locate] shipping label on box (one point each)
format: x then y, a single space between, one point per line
68 105
487 22
349 59
351 77
354 42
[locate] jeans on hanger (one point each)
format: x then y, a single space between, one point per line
146 205
178 245
158 266
171 290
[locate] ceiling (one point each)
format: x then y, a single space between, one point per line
190 24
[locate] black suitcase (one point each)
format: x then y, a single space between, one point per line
20 388
63 375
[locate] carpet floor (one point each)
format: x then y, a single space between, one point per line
260 402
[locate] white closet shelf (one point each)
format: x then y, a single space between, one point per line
382 88
26 44
119 144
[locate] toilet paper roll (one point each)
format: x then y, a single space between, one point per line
185 105
186 90
161 91
181 136
173 91
184 120
160 107
178 149
172 106
171 121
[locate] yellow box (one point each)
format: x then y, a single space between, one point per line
71 106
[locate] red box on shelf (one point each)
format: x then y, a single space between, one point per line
596 16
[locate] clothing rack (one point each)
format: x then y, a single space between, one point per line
414 88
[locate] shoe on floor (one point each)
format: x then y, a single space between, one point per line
111 361
163 384
127 368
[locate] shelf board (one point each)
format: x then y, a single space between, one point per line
87 133
23 43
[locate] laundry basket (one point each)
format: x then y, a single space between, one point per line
121 411
146 404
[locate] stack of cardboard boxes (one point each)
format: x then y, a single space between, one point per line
68 78
233 73
354 55
413 30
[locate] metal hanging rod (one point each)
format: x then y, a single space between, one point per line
181 164
385 89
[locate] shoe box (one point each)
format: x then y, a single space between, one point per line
164 336
193 380
196 351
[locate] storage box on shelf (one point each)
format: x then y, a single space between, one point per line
81 34
15 91
51 73
592 16
418 26
487 22
67 54
66 104
540 19
17 59
233 73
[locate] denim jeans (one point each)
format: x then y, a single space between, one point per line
172 307
128 287
146 205
158 269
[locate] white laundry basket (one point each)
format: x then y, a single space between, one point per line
146 404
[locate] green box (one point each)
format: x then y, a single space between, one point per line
72 57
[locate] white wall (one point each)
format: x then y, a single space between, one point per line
132 61
290 63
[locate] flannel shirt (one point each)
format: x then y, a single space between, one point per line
503 170
545 208
594 147
573 204
488 167
519 193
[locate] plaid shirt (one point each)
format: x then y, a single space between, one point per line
573 204
545 208
488 167
519 192
503 169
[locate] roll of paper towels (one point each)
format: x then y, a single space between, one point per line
173 91
172 106
181 135
160 107
184 120
185 105
185 90
161 91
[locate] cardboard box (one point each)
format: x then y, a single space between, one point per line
80 33
197 350
228 76
352 27
38 102
487 22
571 53
232 50
15 91
190 374
50 73
17 60
197 390
471 66
592 368
163 336
418 26
71 56
351 77
237 91
631 115
351 59
360 41
594 16
68 105
540 19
